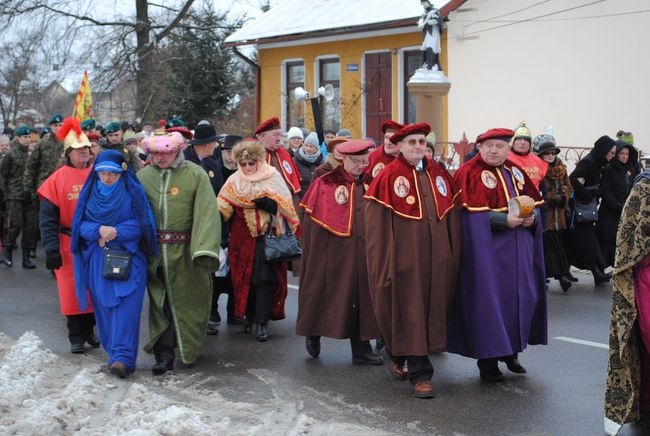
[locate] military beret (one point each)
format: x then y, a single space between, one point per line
88 124
270 124
175 122
23 130
390 125
112 127
56 119
410 129
354 146
498 133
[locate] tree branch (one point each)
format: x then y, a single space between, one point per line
181 14
34 8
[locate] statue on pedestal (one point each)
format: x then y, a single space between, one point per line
432 26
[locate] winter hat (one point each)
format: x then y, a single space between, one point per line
541 141
344 132
312 139
522 131
295 132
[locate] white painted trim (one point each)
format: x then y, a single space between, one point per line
334 38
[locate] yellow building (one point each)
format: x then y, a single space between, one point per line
366 50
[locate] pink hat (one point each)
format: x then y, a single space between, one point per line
167 143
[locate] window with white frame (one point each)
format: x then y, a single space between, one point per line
295 76
330 74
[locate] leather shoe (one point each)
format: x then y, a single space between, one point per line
93 341
513 364
565 283
212 329
119 369
162 366
77 348
489 369
232 319
397 370
262 333
312 343
571 277
423 389
368 359
380 343
246 326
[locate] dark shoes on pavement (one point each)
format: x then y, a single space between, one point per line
93 341
489 369
119 369
565 283
262 333
212 329
571 277
368 359
77 348
162 365
246 326
312 343
27 263
423 389
397 370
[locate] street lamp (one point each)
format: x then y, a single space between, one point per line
326 92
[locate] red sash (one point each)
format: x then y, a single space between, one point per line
397 188
378 160
286 167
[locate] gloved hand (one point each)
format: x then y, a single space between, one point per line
53 260
266 204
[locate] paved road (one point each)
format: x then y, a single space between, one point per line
561 395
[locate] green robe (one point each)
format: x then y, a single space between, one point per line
182 200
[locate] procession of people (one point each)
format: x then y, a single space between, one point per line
385 234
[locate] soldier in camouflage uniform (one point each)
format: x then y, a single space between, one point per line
114 134
5 148
41 163
12 171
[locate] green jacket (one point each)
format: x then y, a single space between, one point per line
12 170
42 163
130 156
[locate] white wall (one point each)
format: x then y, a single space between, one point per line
584 76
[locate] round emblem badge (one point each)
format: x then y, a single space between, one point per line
174 191
211 174
518 174
375 170
125 150
488 179
341 194
410 199
287 167
124 166
401 186
441 185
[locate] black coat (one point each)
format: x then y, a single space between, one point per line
306 170
210 165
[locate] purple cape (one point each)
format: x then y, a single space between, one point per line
500 302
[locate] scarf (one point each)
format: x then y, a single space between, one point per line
240 190
556 170
105 203
311 158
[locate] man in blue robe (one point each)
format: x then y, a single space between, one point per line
500 304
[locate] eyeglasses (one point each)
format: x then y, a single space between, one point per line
363 162
413 141
247 164
551 153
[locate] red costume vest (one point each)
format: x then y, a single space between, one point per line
396 187
286 167
378 160
533 165
329 201
484 187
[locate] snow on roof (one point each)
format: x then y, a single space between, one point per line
302 16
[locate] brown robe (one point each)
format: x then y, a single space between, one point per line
412 269
334 298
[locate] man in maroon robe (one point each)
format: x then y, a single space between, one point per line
500 303
334 299
385 153
413 246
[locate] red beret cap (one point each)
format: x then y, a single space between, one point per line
92 136
162 122
187 134
410 129
390 125
354 146
270 124
498 133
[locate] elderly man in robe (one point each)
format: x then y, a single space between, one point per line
500 304
386 152
413 246
334 299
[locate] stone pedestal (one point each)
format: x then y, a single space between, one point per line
429 87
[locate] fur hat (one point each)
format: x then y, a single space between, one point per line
253 150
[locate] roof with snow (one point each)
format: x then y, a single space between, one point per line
298 19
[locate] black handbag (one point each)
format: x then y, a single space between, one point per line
283 248
586 212
117 264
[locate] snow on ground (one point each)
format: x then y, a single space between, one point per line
45 394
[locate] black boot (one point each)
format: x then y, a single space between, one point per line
570 277
262 333
565 283
512 362
599 276
164 362
312 343
7 257
489 369
27 264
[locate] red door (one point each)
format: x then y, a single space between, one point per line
378 89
